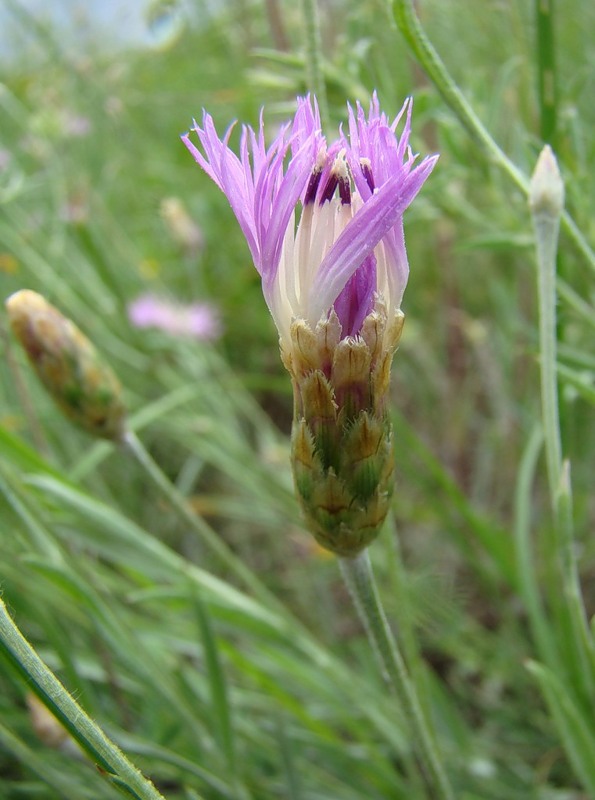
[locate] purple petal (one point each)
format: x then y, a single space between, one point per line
363 233
356 300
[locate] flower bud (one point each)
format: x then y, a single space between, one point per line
546 190
83 387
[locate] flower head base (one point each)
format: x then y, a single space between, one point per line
342 452
324 224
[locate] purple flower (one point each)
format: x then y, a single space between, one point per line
197 320
324 222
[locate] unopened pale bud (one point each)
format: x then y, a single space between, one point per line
80 383
342 444
546 191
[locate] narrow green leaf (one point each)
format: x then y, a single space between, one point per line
575 729
221 712
526 561
583 385
64 783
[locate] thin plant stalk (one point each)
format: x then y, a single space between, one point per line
107 755
526 563
313 55
546 221
358 575
436 70
546 200
406 630
546 67
196 523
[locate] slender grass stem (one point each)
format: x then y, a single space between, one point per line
436 70
546 68
546 205
81 727
526 563
584 644
314 73
546 200
197 524
358 575
406 630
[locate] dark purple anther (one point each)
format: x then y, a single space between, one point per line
329 189
344 190
367 173
313 184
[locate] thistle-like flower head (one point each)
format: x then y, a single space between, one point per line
324 224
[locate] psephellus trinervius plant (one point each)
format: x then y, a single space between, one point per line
324 224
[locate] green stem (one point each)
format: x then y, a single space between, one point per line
546 200
583 645
435 68
546 239
54 696
526 562
546 66
197 524
359 578
313 55
406 632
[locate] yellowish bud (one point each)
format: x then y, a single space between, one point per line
81 384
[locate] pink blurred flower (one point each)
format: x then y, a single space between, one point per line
196 320
75 125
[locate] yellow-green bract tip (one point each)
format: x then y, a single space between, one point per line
342 442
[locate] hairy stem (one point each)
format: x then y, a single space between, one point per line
62 705
359 578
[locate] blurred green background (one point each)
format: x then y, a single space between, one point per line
215 696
